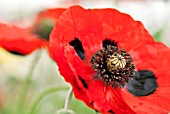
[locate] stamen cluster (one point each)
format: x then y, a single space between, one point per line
113 66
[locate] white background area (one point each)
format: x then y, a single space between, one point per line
154 14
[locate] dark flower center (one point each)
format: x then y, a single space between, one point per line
113 66
44 28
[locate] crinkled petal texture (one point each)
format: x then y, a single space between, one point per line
91 27
19 40
154 57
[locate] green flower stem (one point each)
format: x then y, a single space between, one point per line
68 99
41 95
27 82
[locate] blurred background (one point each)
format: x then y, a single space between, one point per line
154 14
15 69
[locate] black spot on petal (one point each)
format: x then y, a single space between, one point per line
111 112
76 85
109 42
92 103
76 43
143 84
143 74
16 53
83 82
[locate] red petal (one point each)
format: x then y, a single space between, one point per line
80 23
154 57
18 39
121 28
70 73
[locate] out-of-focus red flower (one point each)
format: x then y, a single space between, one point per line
19 40
111 61
26 40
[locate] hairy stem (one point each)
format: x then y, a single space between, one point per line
68 99
27 82
41 95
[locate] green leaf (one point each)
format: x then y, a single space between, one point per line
157 35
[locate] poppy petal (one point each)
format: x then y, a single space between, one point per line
79 23
19 40
155 61
121 28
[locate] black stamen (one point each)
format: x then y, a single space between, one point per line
111 111
16 53
83 82
76 43
109 42
143 84
112 71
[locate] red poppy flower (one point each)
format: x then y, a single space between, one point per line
111 61
25 40
19 40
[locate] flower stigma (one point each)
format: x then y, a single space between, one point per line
115 62
113 66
